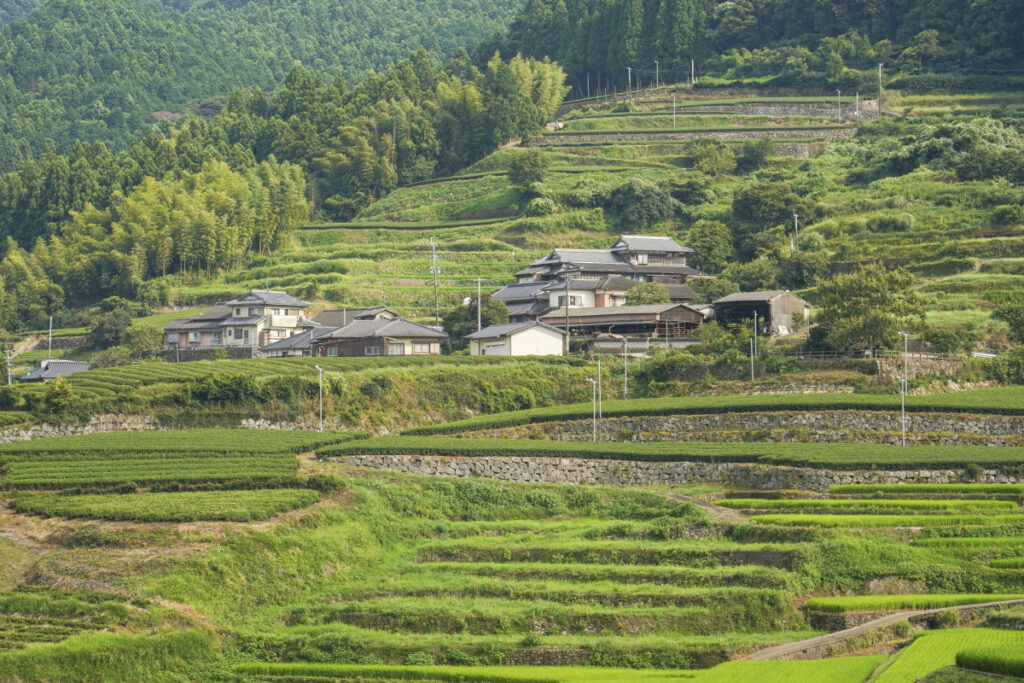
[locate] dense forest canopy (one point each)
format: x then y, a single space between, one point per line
600 38
98 70
213 192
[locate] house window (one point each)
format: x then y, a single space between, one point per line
238 312
396 349
641 259
421 348
218 338
277 311
252 312
371 350
173 337
193 337
573 301
332 350
229 331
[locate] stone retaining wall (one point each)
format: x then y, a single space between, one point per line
641 473
98 424
840 426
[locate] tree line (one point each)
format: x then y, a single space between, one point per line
212 192
599 39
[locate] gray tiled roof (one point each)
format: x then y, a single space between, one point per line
644 309
648 243
528 308
233 322
495 331
303 340
342 317
364 329
585 256
519 292
681 292
268 297
51 369
753 297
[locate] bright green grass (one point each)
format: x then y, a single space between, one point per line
999 661
894 521
229 506
932 650
997 400
30 473
834 670
187 441
941 489
875 603
161 319
970 542
491 674
863 506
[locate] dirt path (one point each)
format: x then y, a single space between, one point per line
717 512
785 649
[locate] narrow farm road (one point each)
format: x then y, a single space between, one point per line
717 512
786 649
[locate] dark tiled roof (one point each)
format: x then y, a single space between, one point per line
519 292
578 256
51 369
676 270
215 312
268 297
645 309
233 322
681 292
528 308
340 318
646 243
753 297
365 329
495 331
303 340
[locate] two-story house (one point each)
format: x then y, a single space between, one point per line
257 319
636 257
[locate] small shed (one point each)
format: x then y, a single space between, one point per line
775 310
654 320
517 339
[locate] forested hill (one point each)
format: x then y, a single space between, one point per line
94 70
768 38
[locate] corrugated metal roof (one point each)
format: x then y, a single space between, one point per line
645 309
54 368
268 297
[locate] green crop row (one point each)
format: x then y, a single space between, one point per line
232 506
941 489
998 401
999 661
191 440
970 542
60 473
877 603
728 129
861 506
882 521
819 455
1008 563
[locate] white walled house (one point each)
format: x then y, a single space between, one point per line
517 339
260 318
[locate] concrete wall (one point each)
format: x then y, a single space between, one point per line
634 473
537 341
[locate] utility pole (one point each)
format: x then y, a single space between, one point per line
479 326
588 85
434 270
594 399
49 340
629 80
839 104
321 371
693 74
856 112
879 107
673 111
600 399
751 359
796 230
625 368
755 333
903 385
7 353
657 76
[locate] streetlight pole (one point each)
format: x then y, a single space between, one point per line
594 391
478 324
755 333
600 398
751 359
657 75
839 103
321 371
7 353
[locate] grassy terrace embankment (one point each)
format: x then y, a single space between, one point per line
993 401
